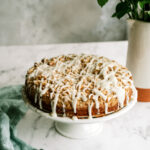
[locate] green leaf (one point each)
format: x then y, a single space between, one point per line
143 3
121 9
148 12
102 2
146 16
114 14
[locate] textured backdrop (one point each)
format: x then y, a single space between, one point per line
58 21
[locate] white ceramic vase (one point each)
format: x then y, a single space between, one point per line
138 57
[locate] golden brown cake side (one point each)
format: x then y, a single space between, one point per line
85 86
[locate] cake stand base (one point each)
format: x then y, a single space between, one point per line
78 131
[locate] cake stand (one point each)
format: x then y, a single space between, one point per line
79 128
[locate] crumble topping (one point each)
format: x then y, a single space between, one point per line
79 78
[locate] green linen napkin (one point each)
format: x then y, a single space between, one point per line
12 109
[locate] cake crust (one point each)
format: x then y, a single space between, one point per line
85 86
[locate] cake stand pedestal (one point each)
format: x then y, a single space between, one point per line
78 131
80 128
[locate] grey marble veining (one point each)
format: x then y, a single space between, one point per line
131 131
25 22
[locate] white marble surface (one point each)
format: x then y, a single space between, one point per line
131 131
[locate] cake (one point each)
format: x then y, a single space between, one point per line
79 86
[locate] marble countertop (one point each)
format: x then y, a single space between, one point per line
130 131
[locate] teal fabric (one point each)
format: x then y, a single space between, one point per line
12 109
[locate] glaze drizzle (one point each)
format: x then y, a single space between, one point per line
81 78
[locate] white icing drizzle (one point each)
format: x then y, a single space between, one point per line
120 94
106 108
64 110
99 93
39 93
127 99
90 110
74 118
69 80
74 100
54 105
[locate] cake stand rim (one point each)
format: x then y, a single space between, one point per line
79 121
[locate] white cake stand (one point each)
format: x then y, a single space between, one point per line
80 128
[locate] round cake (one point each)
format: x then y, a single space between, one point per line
79 86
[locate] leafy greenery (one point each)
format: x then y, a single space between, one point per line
135 9
102 2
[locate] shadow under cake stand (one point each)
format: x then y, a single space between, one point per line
80 128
